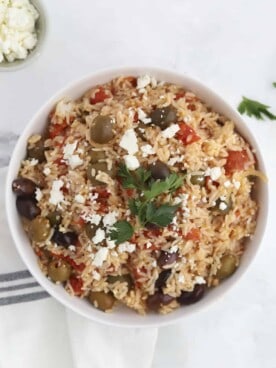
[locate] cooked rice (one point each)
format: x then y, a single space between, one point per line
219 234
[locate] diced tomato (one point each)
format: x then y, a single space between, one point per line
77 284
135 117
132 80
209 182
179 95
191 107
130 192
57 129
236 161
193 234
137 274
79 267
187 134
79 221
152 233
100 96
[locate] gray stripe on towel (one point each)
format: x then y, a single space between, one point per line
19 287
23 298
15 275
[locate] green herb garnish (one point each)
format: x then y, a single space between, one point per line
274 84
121 232
151 213
255 108
170 184
133 180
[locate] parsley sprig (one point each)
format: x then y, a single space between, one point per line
145 205
255 108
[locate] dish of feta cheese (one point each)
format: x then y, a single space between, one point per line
137 193
18 35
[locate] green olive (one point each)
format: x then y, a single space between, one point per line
54 218
121 278
159 170
198 179
164 116
90 230
95 156
101 130
59 270
37 151
93 170
222 206
101 300
228 265
39 229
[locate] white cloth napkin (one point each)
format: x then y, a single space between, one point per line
38 332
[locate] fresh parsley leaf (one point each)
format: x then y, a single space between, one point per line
255 108
163 215
274 84
128 180
121 232
170 184
133 180
134 205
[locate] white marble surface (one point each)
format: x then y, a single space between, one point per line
230 46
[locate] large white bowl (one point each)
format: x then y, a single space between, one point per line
122 316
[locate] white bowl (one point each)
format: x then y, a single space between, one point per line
122 316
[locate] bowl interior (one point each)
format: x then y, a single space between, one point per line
123 316
41 34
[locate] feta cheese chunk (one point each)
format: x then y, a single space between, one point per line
142 116
38 194
79 198
110 218
100 257
147 150
56 195
126 247
129 142
199 280
214 173
99 236
171 131
131 162
143 81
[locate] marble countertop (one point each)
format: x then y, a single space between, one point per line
229 45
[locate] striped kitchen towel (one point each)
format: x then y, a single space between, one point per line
37 331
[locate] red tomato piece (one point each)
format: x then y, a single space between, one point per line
236 161
100 96
57 129
179 95
135 117
193 234
186 134
76 284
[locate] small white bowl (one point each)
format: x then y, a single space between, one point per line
124 317
41 29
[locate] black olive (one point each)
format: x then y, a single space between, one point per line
155 301
65 239
23 187
166 258
162 279
164 116
191 297
27 207
159 170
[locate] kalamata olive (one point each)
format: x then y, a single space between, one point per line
191 297
198 179
23 187
121 278
90 230
159 170
39 229
151 226
162 279
101 300
222 206
65 239
27 207
37 151
95 156
228 265
166 259
155 301
101 130
164 116
59 270
54 218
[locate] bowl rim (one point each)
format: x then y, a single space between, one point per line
107 74
33 54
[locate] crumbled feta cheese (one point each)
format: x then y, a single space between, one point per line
214 172
92 218
143 81
17 31
142 116
46 171
222 206
126 247
173 249
96 275
177 200
131 162
154 263
56 195
110 243
147 150
187 118
181 279
75 161
148 245
110 218
63 108
170 131
72 248
99 236
199 280
69 149
100 257
33 162
227 184
38 194
237 184
79 198
173 160
129 142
